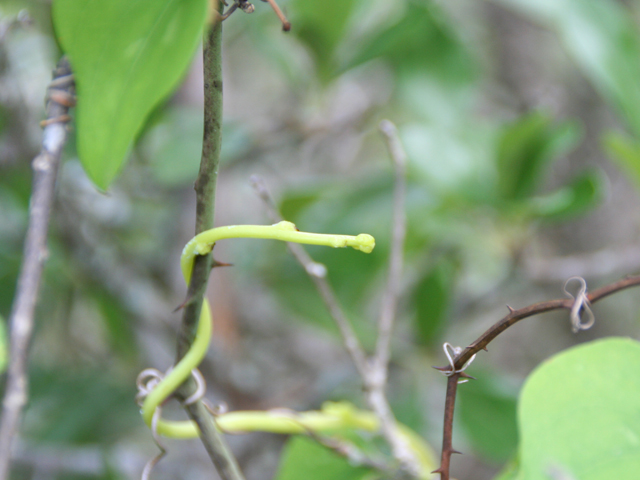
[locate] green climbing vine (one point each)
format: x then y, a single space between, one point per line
202 244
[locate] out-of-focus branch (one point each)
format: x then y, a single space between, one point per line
481 343
45 167
396 258
318 272
379 365
600 263
373 371
286 26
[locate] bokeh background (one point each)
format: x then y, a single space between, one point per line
521 121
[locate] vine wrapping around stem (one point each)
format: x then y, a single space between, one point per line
202 244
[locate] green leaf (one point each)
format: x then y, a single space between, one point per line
117 321
421 39
452 159
173 146
432 298
509 471
582 194
306 459
625 151
526 147
79 405
321 26
349 209
487 412
602 38
578 414
297 201
126 57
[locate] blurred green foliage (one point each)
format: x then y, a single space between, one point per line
484 176
487 410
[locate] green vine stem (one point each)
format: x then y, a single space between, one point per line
201 245
332 417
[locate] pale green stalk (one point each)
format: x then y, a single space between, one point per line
202 244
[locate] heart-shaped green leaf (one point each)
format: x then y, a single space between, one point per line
526 148
583 193
126 55
305 458
579 414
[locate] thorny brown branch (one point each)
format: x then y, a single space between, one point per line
45 167
481 343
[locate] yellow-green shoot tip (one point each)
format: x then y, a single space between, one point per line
364 242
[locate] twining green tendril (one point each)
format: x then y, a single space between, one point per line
273 421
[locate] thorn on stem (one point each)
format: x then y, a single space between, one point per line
186 302
216 263
442 369
511 310
456 452
59 119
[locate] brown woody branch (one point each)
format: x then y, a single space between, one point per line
481 343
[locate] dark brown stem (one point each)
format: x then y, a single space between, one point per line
45 168
205 188
447 447
286 26
481 343
536 309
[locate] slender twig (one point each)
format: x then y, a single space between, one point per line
205 188
286 26
45 167
481 343
317 272
399 228
348 450
599 263
379 363
373 371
